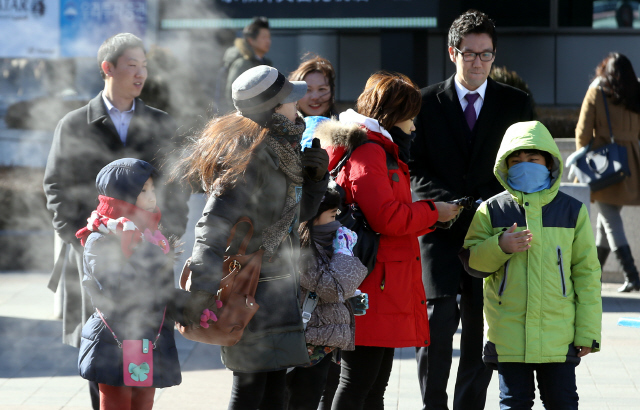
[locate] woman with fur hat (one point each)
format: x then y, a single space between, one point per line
250 165
376 177
128 272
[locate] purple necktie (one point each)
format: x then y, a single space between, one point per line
470 111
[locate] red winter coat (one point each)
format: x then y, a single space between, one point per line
397 316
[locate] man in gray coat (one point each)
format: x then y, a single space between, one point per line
115 124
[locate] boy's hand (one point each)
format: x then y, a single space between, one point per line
512 242
583 351
446 211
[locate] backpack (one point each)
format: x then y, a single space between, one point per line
352 217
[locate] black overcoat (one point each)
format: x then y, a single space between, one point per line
449 161
84 141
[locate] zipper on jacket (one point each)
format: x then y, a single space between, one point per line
382 281
503 284
272 278
561 268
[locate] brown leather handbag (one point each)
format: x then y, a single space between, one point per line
237 292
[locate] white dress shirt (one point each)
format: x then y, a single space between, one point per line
463 91
121 120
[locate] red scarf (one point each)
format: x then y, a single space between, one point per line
109 218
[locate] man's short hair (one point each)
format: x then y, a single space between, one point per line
471 22
114 47
253 29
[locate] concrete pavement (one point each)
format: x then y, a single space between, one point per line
37 372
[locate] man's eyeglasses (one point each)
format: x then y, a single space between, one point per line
484 56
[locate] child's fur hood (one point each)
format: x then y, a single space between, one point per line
335 133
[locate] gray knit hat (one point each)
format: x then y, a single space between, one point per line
262 88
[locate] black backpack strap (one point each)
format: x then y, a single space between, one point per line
392 163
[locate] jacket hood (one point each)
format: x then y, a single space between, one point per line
333 133
124 178
350 131
240 49
529 135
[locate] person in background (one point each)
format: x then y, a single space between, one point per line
247 52
320 77
376 177
115 124
318 104
250 165
128 273
458 133
534 246
330 271
620 85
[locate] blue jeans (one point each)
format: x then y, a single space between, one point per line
556 383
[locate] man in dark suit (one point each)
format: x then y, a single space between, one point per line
459 130
115 124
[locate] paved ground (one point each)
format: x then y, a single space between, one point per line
38 372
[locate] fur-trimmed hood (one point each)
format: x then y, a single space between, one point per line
245 49
351 131
334 133
240 49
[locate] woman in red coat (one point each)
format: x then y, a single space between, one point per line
376 177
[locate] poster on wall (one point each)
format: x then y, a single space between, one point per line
85 24
29 28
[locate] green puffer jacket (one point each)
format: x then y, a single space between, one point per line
540 303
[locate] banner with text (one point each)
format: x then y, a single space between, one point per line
85 24
29 28
327 8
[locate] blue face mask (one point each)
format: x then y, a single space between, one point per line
529 177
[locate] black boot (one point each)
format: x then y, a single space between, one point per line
632 279
603 254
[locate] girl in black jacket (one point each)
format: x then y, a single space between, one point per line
128 272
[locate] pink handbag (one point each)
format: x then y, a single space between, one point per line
137 357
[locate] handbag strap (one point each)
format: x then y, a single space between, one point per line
606 109
116 337
247 237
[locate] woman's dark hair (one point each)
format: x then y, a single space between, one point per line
218 157
331 200
252 29
389 98
619 81
320 65
471 22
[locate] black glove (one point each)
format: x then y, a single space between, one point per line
315 161
359 304
196 304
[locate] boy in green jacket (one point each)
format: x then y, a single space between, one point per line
534 246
